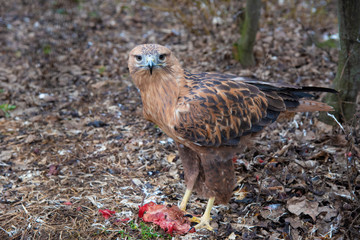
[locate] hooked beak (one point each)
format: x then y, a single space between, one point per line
150 63
150 66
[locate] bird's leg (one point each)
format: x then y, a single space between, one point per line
183 204
185 199
205 219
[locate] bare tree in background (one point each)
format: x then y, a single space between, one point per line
347 80
244 47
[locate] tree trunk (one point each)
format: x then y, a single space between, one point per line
244 47
347 80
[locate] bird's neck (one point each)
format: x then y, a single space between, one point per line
159 96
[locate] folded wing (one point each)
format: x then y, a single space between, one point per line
218 109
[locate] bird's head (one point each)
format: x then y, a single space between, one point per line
151 60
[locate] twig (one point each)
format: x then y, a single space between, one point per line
357 216
333 117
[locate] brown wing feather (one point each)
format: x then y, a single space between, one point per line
216 110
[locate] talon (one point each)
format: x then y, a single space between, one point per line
192 218
193 224
204 224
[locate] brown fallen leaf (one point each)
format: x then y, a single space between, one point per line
170 158
273 212
302 205
320 155
5 155
295 222
30 139
241 193
323 127
330 213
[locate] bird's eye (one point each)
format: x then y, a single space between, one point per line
138 58
162 57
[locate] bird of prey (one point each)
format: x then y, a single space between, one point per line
210 116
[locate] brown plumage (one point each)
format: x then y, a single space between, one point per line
210 115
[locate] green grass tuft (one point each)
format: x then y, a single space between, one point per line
6 108
146 232
46 49
101 69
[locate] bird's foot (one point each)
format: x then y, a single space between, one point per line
202 223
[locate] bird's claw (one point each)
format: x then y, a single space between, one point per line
192 218
204 223
193 229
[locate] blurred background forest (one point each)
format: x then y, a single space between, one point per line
73 139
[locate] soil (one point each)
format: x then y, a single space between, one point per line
77 143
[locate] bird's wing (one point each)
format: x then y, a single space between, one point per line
214 110
218 109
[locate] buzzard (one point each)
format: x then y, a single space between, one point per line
210 116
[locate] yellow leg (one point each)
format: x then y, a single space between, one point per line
205 219
185 199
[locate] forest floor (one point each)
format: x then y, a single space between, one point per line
73 140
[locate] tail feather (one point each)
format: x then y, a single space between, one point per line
284 100
291 96
306 105
315 89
